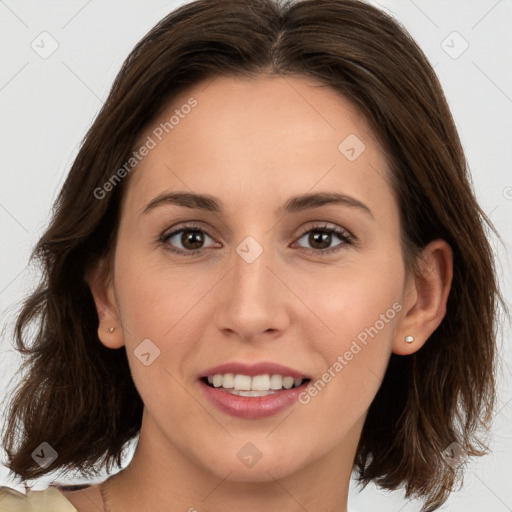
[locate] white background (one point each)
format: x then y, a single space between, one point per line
46 106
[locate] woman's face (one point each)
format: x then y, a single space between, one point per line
268 283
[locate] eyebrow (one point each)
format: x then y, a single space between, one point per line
209 203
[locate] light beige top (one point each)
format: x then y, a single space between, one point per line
50 499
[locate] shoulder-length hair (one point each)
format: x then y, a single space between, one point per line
79 396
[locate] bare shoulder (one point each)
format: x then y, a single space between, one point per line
83 498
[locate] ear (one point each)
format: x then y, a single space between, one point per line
110 331
425 297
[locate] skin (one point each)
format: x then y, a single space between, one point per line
254 143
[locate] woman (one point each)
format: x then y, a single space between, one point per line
259 265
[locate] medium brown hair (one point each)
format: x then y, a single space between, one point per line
79 396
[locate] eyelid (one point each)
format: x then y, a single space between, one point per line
190 225
346 237
327 226
180 227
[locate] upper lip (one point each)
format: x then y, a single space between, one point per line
261 368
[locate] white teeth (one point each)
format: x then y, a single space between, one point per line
276 382
260 383
288 382
242 382
250 393
228 381
245 385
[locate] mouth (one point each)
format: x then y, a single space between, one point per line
255 386
252 396
252 391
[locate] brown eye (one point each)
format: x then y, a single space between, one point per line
192 239
186 241
320 239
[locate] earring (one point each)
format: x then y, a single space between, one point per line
409 339
110 330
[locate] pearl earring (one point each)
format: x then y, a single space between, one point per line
110 330
409 339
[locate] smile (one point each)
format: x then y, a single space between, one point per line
252 403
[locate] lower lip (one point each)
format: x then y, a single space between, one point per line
252 407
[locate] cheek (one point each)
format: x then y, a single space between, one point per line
359 308
354 297
160 302
152 293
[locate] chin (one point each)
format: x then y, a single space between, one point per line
247 463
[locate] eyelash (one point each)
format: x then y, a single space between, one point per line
342 234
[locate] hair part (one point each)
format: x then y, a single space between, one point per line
79 396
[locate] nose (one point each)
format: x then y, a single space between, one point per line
253 300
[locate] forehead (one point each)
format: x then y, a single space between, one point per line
246 136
